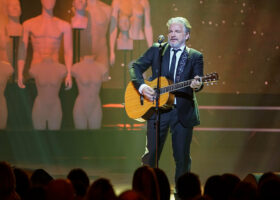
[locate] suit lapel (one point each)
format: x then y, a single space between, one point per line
182 64
188 62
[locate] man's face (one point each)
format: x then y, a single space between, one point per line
48 4
80 4
14 8
177 35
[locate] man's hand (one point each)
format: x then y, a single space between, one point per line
149 93
68 82
196 84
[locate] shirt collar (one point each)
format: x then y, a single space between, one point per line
182 48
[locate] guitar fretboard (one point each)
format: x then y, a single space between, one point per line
176 86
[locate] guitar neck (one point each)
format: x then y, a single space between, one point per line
176 86
209 78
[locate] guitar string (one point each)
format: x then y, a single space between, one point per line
181 85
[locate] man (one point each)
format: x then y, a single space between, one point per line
184 115
46 33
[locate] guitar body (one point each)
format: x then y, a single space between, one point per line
141 110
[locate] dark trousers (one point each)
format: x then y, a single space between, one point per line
181 141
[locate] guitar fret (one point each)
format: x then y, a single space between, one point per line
175 86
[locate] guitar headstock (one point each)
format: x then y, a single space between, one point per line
210 78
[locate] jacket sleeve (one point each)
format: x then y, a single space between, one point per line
140 66
198 68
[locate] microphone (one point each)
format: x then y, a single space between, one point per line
160 39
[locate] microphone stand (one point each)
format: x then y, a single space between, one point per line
157 101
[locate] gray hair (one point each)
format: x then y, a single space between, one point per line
180 20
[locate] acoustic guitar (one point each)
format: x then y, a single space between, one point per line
139 108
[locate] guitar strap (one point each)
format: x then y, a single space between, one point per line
182 62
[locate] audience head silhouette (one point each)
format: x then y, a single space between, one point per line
188 186
131 195
244 191
229 182
101 189
163 183
213 187
60 189
22 183
268 187
40 178
7 182
79 180
145 182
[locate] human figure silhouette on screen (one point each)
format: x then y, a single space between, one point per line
46 33
123 41
79 20
138 13
46 111
87 111
93 38
6 70
13 27
10 27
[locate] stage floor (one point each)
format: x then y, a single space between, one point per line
116 153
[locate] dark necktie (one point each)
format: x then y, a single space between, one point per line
173 64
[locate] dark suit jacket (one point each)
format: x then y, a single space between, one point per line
186 102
